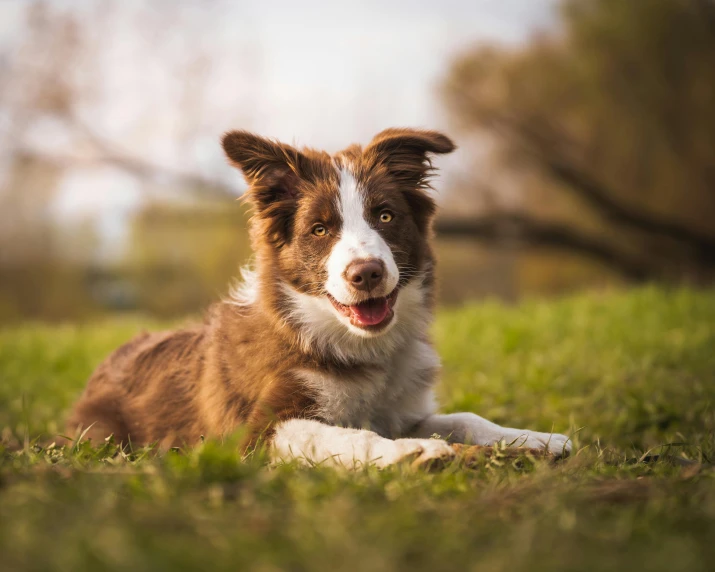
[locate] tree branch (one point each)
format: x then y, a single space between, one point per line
598 197
498 228
204 186
545 151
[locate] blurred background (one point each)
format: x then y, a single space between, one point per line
586 131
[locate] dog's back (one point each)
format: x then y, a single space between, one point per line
145 390
172 388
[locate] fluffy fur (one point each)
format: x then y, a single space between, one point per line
323 347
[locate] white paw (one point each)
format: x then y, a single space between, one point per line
417 451
555 442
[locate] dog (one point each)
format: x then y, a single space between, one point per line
323 348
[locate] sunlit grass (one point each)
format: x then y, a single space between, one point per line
631 375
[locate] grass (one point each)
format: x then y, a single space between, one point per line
631 374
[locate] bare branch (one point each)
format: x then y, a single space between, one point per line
181 180
502 227
589 189
546 150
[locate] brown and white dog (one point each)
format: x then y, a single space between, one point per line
324 347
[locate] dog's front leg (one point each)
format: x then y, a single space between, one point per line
312 442
474 430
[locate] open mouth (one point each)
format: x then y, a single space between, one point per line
372 314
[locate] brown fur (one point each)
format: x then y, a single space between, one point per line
239 368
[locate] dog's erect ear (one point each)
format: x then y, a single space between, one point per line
274 172
405 154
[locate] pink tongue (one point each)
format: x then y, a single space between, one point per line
372 312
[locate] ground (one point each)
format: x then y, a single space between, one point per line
631 375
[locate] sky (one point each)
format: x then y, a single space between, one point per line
169 77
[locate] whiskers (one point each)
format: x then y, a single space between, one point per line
409 273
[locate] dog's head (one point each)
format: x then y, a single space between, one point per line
344 234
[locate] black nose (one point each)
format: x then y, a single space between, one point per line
365 274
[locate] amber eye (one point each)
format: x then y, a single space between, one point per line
320 230
386 216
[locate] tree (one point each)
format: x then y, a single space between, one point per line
609 125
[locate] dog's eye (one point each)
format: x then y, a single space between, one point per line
386 216
320 230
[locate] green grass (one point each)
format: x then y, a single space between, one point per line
633 372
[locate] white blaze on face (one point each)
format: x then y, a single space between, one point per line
358 241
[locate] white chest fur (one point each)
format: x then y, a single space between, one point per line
388 397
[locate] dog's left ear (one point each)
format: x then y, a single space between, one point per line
405 154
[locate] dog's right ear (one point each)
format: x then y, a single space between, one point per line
264 163
273 172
